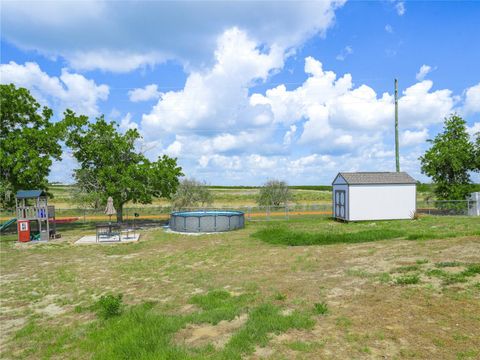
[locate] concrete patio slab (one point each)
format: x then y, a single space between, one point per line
92 239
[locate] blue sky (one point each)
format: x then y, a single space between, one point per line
243 92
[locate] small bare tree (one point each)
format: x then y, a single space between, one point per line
274 193
192 193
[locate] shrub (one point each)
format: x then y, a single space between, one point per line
321 308
192 193
274 193
421 261
408 280
450 279
407 268
109 306
384 277
448 264
472 270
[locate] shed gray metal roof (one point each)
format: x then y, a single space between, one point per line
365 178
24 194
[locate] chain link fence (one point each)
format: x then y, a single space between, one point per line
153 216
148 216
448 207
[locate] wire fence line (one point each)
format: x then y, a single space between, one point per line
449 207
252 213
163 212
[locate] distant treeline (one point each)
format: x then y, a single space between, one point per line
296 187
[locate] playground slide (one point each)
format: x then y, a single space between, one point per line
7 224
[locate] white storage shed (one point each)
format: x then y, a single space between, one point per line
474 204
359 196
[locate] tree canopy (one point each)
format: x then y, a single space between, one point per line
274 193
110 164
29 141
451 159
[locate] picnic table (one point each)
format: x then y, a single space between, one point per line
108 232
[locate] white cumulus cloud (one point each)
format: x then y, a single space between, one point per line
472 99
474 130
331 107
412 137
112 36
423 71
400 7
149 92
126 123
326 124
346 51
216 100
69 90
420 106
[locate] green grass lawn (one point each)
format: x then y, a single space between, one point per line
324 231
395 289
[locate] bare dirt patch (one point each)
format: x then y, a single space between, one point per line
51 310
197 335
263 352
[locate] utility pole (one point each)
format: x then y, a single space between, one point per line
397 156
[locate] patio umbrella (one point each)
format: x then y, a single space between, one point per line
110 209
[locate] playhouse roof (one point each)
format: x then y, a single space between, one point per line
366 178
25 194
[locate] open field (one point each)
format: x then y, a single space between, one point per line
370 293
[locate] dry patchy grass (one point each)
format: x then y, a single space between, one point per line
47 292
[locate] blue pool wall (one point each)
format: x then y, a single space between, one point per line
206 221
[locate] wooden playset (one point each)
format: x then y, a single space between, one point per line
32 209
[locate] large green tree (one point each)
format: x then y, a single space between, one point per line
111 165
29 141
450 160
477 151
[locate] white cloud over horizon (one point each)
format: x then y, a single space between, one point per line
216 101
34 25
261 134
216 124
69 90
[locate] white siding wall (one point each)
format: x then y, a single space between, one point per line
381 202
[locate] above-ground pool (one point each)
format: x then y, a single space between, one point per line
206 221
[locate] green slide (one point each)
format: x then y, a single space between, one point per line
7 224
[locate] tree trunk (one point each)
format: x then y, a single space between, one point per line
119 209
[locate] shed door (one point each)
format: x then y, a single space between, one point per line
340 204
